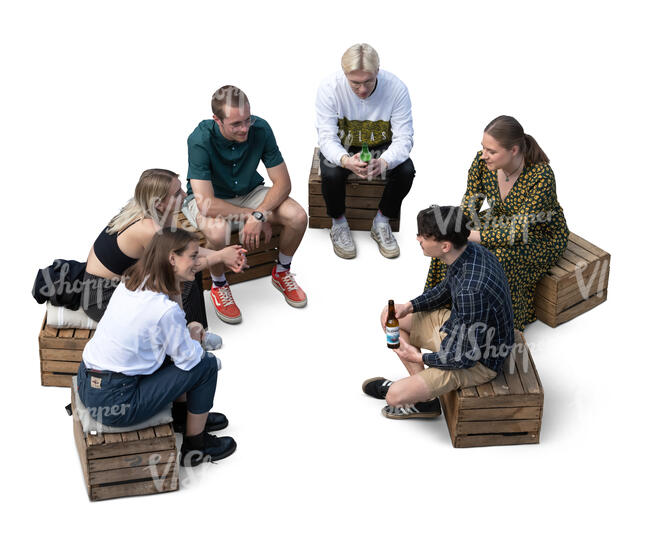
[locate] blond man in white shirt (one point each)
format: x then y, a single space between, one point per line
364 104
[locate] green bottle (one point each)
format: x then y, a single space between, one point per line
365 155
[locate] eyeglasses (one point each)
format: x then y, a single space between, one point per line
242 125
368 83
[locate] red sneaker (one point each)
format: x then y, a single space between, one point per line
285 282
224 304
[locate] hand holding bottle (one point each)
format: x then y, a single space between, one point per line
354 164
401 311
377 167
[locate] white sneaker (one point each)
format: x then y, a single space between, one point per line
383 235
342 241
211 341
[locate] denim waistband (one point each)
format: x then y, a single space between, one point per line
101 373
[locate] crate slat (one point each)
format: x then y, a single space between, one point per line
136 463
509 412
575 285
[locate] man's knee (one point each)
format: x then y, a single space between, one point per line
330 171
408 169
404 171
293 215
410 390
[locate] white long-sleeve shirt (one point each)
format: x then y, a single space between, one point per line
136 332
343 119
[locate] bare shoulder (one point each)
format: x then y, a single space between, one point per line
144 230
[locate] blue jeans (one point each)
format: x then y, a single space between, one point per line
121 400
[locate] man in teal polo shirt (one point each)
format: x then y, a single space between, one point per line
224 187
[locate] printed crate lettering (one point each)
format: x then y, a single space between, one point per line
127 464
260 260
362 198
576 284
505 411
60 353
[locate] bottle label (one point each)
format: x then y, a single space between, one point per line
392 335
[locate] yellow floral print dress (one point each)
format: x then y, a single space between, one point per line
526 231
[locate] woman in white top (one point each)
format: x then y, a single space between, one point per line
143 355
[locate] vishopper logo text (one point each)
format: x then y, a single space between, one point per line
514 224
475 342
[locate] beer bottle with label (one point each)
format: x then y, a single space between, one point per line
365 155
392 327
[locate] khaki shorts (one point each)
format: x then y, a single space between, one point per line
251 200
425 333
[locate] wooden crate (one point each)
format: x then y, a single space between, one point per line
60 353
127 464
575 285
260 260
362 198
507 410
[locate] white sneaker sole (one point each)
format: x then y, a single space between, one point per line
342 253
222 317
294 304
387 253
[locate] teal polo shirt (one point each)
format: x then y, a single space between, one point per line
231 166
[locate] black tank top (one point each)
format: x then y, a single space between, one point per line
108 252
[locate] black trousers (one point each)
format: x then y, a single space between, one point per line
398 184
193 303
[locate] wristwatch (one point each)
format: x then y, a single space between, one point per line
259 216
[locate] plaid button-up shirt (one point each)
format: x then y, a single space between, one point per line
480 327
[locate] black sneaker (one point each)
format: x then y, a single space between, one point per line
426 409
215 422
212 449
377 387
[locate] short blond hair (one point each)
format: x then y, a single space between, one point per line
360 57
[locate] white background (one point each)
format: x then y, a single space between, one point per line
92 96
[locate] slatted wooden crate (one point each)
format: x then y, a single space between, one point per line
260 260
362 198
127 464
575 285
507 410
60 353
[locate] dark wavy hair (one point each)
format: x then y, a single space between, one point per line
447 223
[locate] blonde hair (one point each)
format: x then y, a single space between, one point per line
360 57
152 187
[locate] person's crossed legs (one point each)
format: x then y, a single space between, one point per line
417 396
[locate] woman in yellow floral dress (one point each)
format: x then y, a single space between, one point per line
524 224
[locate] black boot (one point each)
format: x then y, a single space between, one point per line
215 421
205 447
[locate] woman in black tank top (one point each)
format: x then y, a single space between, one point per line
158 197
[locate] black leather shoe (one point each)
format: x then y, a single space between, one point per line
215 422
211 449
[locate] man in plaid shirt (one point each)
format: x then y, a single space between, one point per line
468 342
